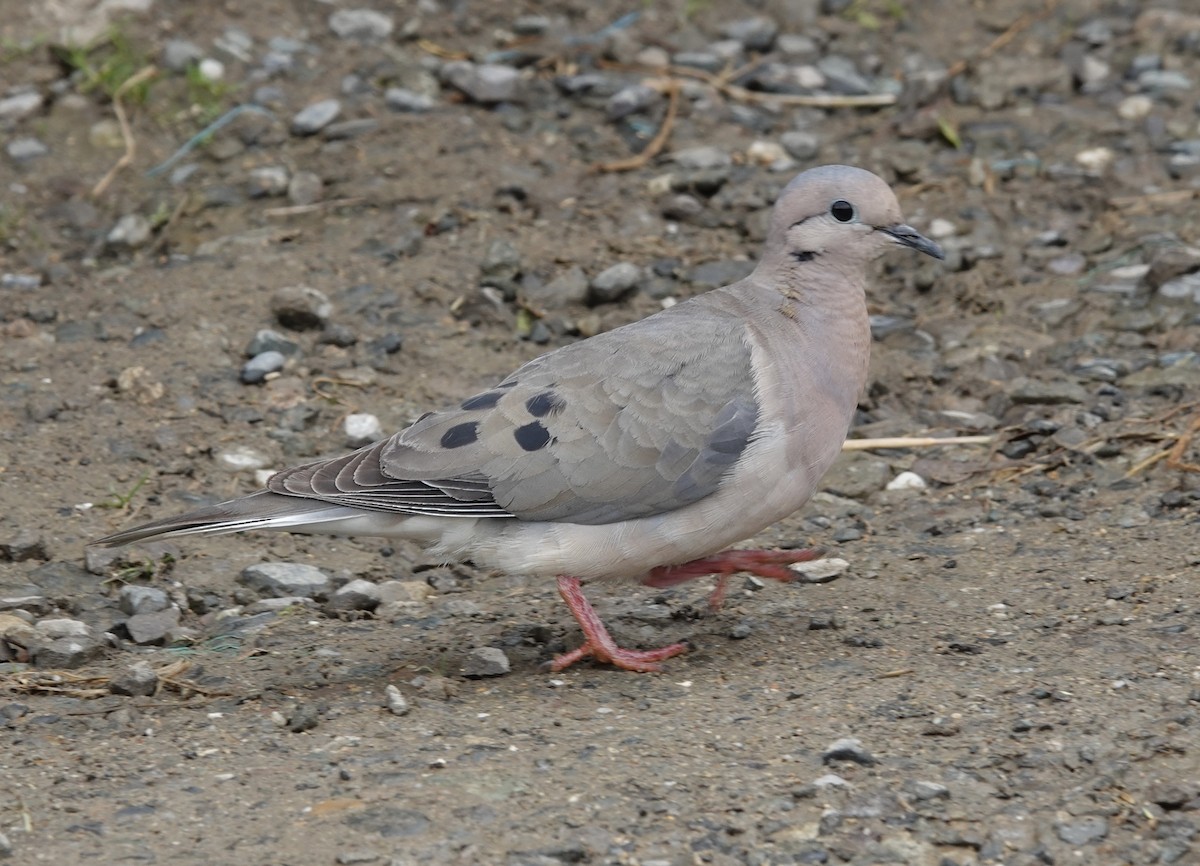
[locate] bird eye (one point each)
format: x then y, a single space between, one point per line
842 211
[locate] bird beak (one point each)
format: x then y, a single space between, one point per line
907 236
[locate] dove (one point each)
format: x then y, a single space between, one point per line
641 453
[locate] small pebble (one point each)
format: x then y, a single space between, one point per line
286 579
907 481
363 25
240 458
848 749
313 118
358 594
396 703
137 680
362 428
301 308
262 365
130 232
26 148
402 99
485 662
135 598
614 283
485 83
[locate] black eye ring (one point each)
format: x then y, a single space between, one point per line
842 211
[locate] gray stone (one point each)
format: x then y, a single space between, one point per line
628 100
281 579
755 34
26 148
347 129
275 605
614 283
356 595
178 54
500 266
152 628
28 605
19 106
848 749
842 76
305 187
1024 390
1164 79
23 545
60 627
708 61
568 287
800 145
1082 830
262 365
269 180
313 118
857 476
403 99
531 25
1184 288
130 232
267 340
927 791
137 680
486 661
66 652
134 599
702 157
301 308
363 25
485 83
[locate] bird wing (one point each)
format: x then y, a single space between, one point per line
638 421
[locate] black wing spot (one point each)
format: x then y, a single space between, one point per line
541 405
486 400
803 255
532 436
460 435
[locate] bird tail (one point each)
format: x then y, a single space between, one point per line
263 510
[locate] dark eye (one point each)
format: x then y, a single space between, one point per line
842 211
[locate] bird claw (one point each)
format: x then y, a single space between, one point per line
598 643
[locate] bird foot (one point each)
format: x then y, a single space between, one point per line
772 564
598 643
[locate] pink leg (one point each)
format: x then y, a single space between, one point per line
772 564
598 643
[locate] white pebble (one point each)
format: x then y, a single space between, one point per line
395 701
211 69
241 457
362 427
1135 107
765 152
942 228
820 570
1095 159
907 481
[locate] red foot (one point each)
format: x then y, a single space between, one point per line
598 643
772 564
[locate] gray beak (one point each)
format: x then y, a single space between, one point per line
907 236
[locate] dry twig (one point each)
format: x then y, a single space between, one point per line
912 442
143 74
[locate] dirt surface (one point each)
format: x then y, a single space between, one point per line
1013 647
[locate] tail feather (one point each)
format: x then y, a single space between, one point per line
263 510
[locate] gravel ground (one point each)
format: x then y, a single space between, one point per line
399 204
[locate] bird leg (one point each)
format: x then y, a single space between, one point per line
598 643
771 564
